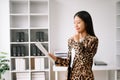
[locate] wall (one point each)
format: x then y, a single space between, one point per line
103 14
4 29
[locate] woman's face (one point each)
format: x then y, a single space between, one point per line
79 24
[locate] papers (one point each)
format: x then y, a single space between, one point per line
38 76
39 64
18 63
43 50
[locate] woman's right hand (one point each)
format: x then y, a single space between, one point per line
76 37
52 56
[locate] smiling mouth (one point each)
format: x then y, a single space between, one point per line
77 28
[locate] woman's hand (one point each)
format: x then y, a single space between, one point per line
52 56
77 37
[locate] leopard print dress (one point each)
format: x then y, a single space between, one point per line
83 60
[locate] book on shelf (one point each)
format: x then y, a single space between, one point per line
39 53
22 76
20 64
20 36
23 49
14 51
100 63
17 37
61 54
39 64
35 51
18 50
46 63
38 76
40 36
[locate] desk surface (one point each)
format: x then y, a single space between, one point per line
95 68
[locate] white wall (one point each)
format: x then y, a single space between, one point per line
4 29
103 14
4 26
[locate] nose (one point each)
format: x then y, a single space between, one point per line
75 25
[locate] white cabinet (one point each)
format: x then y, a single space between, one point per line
29 23
118 39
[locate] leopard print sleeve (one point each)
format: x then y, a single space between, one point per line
92 48
64 62
89 46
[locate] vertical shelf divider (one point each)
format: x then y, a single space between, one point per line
117 72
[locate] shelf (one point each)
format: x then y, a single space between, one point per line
19 14
40 27
118 20
40 75
46 42
118 5
20 75
38 6
39 14
39 35
20 35
29 24
39 64
36 52
18 6
45 70
118 47
19 57
19 50
12 28
38 21
118 60
19 64
118 39
118 34
19 21
25 71
19 0
40 0
19 42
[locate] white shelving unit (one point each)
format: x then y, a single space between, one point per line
29 17
118 39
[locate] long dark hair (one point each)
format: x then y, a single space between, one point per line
85 16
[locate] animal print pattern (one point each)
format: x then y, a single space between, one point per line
83 60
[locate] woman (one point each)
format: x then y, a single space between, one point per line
82 48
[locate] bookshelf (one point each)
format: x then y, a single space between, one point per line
29 23
118 39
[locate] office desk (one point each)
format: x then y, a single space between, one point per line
95 68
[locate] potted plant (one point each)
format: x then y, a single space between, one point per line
4 66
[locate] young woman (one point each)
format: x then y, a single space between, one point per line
82 48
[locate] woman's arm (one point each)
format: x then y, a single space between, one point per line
60 61
91 47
